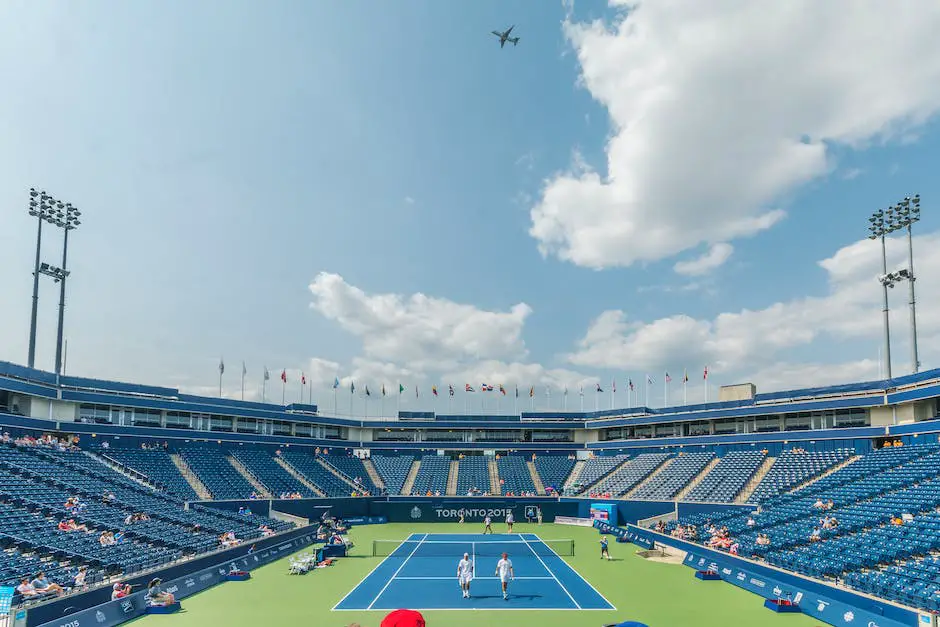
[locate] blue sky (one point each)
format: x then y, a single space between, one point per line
225 154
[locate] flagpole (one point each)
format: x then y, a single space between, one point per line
221 371
581 394
243 380
334 399
352 391
613 390
706 383
665 389
685 389
263 385
283 391
564 400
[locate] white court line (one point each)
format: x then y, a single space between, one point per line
539 558
590 585
475 578
395 574
368 574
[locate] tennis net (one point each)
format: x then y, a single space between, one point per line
451 548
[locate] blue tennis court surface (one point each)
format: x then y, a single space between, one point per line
420 573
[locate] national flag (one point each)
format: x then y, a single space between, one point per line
303 379
486 388
368 393
706 373
685 376
450 390
383 389
267 375
531 391
581 390
352 387
434 390
668 378
598 388
335 382
244 369
502 390
613 386
221 367
416 391
468 388
566 390
284 376
630 384
649 380
517 391
401 388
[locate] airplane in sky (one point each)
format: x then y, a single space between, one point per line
504 37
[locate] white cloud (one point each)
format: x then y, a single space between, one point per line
712 259
753 344
852 173
409 200
719 109
418 334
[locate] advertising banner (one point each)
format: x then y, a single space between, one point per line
474 509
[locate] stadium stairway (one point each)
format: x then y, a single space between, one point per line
373 474
574 476
495 487
336 473
755 481
409 484
539 487
194 482
452 478
250 478
128 472
697 479
299 477
663 466
835 468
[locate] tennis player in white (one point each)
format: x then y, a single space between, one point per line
465 574
504 570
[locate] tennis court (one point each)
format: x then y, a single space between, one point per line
420 573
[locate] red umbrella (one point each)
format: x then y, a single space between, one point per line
403 618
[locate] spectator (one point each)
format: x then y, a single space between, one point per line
156 595
43 585
80 577
26 589
120 590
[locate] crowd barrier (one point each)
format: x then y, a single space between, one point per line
182 580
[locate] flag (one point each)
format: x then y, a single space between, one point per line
668 378
706 373
368 393
303 379
434 390
468 388
531 391
517 391
352 387
284 376
486 388
566 390
599 388
244 369
613 386
502 390
630 384
581 390
450 390
267 375
335 382
416 391
685 376
401 388
649 380
383 389
221 367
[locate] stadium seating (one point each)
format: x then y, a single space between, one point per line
726 480
353 468
632 474
156 466
317 474
394 470
554 470
432 475
270 474
670 481
217 473
473 472
795 467
514 474
599 466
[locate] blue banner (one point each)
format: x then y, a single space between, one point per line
6 598
366 520
641 540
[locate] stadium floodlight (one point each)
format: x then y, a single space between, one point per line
45 208
877 229
907 212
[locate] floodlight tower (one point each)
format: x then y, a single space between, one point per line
906 213
877 229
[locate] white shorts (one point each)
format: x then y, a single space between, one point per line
465 579
505 578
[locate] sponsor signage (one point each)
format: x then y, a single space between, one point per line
366 520
819 606
474 509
